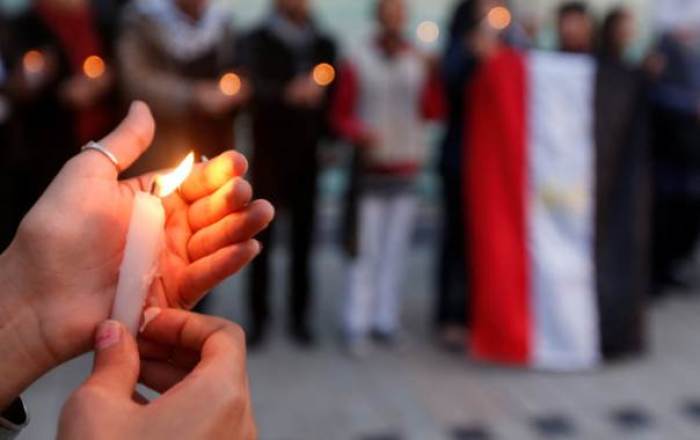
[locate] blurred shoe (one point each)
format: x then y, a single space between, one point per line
302 336
663 285
391 340
452 338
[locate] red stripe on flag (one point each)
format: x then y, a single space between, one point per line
496 184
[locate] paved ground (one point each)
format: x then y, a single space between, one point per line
422 393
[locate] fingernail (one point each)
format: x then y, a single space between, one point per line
133 105
108 334
148 316
260 246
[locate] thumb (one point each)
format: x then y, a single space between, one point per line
127 143
116 364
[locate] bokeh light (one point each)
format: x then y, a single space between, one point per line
33 61
230 84
94 67
499 18
324 74
428 32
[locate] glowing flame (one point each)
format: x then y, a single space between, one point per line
323 74
230 84
33 61
428 32
499 18
93 67
168 183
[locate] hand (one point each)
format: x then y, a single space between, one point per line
58 277
431 60
209 98
198 362
483 42
367 140
654 65
304 92
81 92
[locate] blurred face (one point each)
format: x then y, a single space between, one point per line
68 4
625 32
296 10
193 8
392 16
485 6
575 32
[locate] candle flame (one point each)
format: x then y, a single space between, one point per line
33 61
168 183
93 67
323 74
230 84
428 32
499 18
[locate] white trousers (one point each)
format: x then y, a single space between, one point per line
385 229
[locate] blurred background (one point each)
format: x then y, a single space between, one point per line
488 209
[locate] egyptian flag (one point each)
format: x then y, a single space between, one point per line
556 177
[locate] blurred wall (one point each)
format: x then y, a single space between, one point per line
349 18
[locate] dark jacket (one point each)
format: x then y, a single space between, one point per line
623 207
46 125
153 70
285 137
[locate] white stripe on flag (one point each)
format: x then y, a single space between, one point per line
561 211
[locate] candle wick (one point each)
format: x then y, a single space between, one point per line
155 188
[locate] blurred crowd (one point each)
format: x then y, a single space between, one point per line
69 67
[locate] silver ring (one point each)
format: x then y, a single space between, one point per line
92 145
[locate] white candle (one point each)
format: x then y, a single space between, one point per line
144 243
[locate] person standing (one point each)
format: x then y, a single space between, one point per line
675 71
288 113
623 191
173 54
575 28
622 176
466 45
7 222
62 89
386 90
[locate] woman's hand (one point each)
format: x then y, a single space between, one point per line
210 100
81 92
199 364
58 278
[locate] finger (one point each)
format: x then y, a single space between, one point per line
179 357
208 272
139 398
116 364
234 228
206 178
219 342
127 143
161 376
231 197
153 351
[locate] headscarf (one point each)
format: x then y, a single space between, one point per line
182 37
465 19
